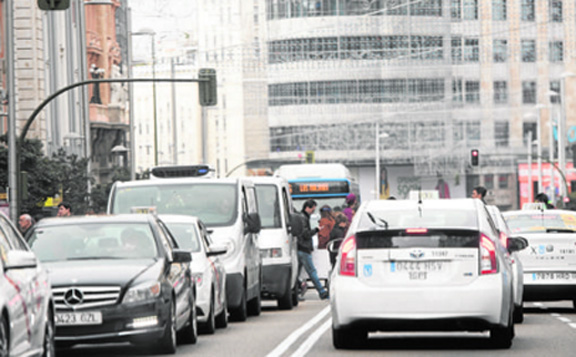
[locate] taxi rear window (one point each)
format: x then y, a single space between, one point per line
407 238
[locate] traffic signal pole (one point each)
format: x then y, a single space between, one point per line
207 89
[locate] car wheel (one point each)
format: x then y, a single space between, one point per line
222 318
4 338
167 344
285 302
189 334
574 303
348 338
501 336
209 326
518 314
255 304
48 343
241 312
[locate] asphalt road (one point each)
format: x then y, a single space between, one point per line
548 329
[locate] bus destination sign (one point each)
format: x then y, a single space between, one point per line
319 187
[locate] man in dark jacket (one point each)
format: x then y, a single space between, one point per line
304 234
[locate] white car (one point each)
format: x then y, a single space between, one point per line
517 267
550 261
26 304
207 270
421 266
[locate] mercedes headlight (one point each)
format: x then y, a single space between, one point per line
142 292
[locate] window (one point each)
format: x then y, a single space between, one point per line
555 87
503 180
556 51
500 50
471 50
500 92
528 9
472 91
528 128
470 8
456 49
455 9
489 181
555 10
499 10
528 50
457 91
501 133
529 92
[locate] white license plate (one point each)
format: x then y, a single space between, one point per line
554 276
79 318
416 266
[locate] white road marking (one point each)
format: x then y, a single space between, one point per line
311 340
288 341
564 319
555 314
573 325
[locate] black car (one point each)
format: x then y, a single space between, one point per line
117 278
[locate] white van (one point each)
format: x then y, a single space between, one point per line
227 207
278 248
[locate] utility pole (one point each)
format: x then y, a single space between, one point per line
11 84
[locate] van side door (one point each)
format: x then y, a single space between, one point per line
253 260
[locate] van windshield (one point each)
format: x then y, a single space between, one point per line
214 203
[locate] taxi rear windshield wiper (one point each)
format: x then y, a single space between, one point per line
378 221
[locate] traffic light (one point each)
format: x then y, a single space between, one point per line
207 87
50 5
474 157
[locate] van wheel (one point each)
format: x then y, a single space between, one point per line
222 318
518 314
294 294
255 305
241 312
285 302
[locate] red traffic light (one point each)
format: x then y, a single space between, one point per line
474 156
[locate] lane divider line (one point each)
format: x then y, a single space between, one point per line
288 341
564 319
573 325
312 339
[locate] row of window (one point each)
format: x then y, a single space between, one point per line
459 9
357 91
402 135
462 49
397 91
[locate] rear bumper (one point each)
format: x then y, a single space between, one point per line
276 280
549 292
472 307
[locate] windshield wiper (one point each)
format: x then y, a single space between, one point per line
559 230
93 258
378 221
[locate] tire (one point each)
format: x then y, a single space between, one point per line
255 304
222 318
518 314
189 334
4 337
209 327
344 338
167 344
285 302
48 345
240 313
501 336
574 303
294 294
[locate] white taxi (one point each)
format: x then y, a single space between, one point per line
550 260
417 265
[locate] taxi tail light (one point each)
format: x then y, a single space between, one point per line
504 239
348 257
487 256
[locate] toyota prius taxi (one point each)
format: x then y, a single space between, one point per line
550 260
413 265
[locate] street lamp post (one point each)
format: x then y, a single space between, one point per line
378 135
152 34
529 137
562 131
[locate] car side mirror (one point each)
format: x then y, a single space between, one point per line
20 259
334 245
252 223
181 256
215 249
516 244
